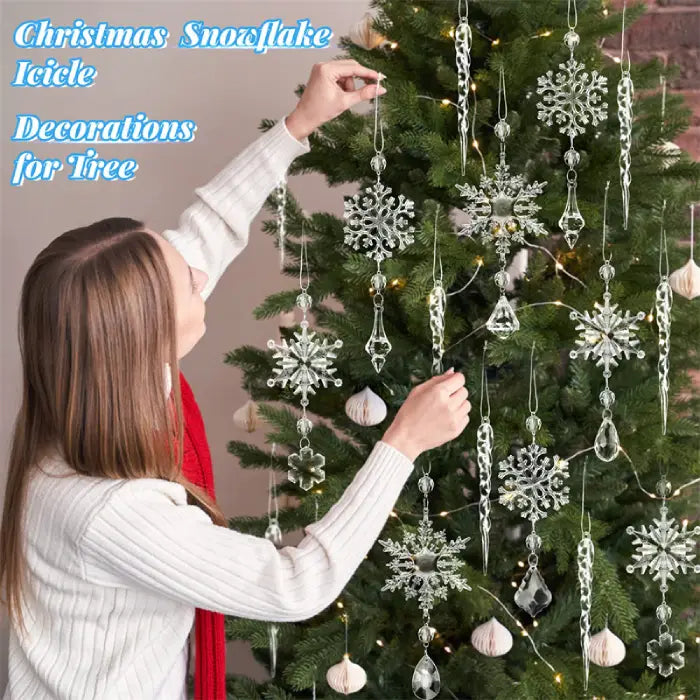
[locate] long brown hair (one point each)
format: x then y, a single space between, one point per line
96 320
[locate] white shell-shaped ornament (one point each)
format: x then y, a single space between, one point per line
492 638
247 418
365 408
362 33
346 677
686 280
606 649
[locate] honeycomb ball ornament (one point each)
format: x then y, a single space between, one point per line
346 677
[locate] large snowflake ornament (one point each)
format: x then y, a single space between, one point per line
305 363
665 550
533 484
607 335
377 223
425 565
572 98
502 209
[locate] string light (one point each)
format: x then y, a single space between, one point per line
650 317
558 302
475 143
394 514
415 10
558 678
616 59
514 584
479 260
448 650
535 623
559 266
340 604
521 564
546 32
605 12
681 697
684 522
473 87
445 102
495 42
394 45
452 32
380 643
524 633
444 514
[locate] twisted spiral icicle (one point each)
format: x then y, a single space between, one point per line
663 303
585 553
625 93
436 305
463 46
484 446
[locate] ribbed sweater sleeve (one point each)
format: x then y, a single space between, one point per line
146 536
214 230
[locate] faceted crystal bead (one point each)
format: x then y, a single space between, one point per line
533 596
425 484
501 278
607 443
572 158
379 282
378 163
426 679
663 487
571 39
273 532
533 423
304 426
502 130
606 271
304 301
533 542
426 634
607 398
503 321
663 613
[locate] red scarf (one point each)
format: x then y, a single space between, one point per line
210 646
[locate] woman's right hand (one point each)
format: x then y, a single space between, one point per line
434 412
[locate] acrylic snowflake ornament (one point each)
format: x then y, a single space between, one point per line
533 484
665 654
665 550
305 364
306 468
572 98
502 209
376 223
425 565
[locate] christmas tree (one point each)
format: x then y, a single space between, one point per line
522 41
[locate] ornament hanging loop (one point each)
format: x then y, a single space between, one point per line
571 4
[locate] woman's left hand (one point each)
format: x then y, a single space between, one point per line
329 92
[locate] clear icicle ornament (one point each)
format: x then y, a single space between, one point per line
463 45
280 199
305 364
274 534
665 551
533 484
606 336
584 566
484 458
663 304
377 223
437 302
572 99
502 210
625 95
425 566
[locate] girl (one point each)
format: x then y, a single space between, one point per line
106 548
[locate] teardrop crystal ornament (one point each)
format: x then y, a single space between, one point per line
503 322
533 596
607 443
426 679
571 221
378 345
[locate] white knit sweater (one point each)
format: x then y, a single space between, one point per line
119 565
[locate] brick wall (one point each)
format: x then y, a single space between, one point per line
670 31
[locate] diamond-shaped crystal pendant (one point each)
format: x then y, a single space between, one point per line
378 345
503 321
426 679
533 596
665 654
306 468
571 222
607 442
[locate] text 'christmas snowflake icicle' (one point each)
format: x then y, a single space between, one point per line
665 551
532 484
425 566
305 364
502 211
377 223
606 336
572 99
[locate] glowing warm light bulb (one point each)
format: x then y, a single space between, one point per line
495 42
514 584
650 318
559 266
616 59
558 678
546 32
475 143
380 643
340 604
394 514
444 514
445 102
473 87
394 45
558 302
452 32
448 650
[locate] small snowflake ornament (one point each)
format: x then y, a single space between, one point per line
665 551
377 223
573 99
304 364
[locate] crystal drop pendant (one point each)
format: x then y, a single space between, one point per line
571 221
378 345
533 596
503 321
607 443
426 679
272 633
